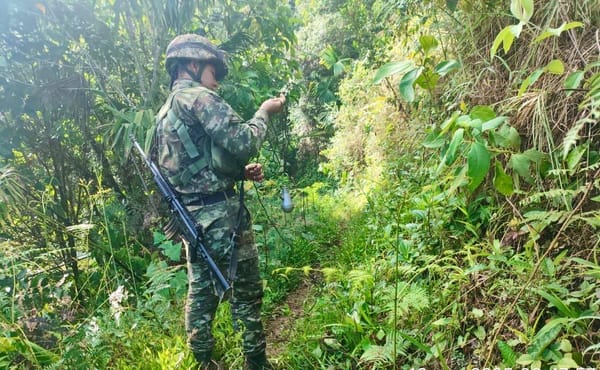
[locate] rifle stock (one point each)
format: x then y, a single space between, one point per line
190 230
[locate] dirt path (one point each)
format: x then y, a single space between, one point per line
281 325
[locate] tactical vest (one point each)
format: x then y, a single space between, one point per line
185 150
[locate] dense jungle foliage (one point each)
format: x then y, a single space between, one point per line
443 159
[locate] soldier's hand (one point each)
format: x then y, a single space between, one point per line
254 172
273 105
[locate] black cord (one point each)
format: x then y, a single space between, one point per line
269 219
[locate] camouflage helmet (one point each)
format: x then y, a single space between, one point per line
196 47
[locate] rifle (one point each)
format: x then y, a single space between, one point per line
191 232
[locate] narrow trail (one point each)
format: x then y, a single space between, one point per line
281 325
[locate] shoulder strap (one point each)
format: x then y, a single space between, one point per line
199 161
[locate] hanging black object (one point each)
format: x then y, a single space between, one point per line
286 200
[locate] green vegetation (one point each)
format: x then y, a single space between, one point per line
443 158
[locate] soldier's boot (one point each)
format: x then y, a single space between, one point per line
258 361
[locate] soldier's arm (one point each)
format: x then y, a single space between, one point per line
228 130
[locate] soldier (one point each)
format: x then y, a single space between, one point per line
203 148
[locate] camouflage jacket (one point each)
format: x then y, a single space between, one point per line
206 116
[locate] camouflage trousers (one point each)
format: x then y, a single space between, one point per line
219 221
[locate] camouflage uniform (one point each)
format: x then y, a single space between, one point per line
207 116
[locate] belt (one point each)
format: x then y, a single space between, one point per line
208 199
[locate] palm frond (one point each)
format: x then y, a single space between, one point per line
238 42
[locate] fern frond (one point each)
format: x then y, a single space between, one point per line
381 355
572 136
552 195
361 279
386 354
239 41
546 217
405 299
591 168
592 98
591 218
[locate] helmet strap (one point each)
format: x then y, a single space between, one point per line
195 76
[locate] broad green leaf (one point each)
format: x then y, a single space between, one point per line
565 346
428 79
449 123
557 31
480 333
478 161
447 66
493 123
566 363
522 9
593 221
525 359
548 267
561 306
502 182
573 81
390 69
338 68
545 337
509 357
428 43
482 112
328 56
444 321
159 238
457 140
138 118
514 138
468 122
500 137
407 90
574 156
434 140
505 36
171 250
477 313
530 80
555 67
515 31
535 155
520 163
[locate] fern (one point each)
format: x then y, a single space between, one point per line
386 354
591 168
378 354
552 194
361 279
591 218
410 298
592 98
572 136
591 106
